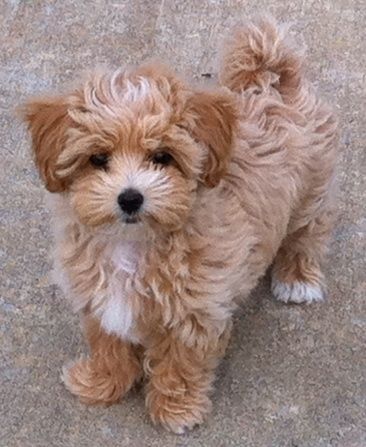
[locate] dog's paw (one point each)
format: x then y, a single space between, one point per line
177 414
297 292
90 385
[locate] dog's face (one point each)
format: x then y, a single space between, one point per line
132 147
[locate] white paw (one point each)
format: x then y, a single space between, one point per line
297 292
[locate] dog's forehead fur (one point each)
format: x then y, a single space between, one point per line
127 95
126 109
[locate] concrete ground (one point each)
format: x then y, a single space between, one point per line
293 375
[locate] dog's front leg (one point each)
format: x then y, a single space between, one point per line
108 373
180 378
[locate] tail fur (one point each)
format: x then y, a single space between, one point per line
258 54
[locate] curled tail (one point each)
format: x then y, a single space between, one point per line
258 54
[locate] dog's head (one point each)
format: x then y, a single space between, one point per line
132 146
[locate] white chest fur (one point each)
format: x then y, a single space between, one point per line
114 305
100 280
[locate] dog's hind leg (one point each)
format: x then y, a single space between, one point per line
296 274
108 373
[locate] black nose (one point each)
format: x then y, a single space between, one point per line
130 200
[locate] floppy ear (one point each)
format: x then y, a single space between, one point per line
47 120
214 120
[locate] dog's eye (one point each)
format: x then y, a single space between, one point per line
162 158
99 160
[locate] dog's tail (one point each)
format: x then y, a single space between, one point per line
258 54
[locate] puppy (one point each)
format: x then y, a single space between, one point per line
170 202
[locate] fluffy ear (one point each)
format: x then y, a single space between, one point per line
47 120
213 125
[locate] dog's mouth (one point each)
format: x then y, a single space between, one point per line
131 219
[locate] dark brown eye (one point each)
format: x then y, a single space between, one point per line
99 160
162 158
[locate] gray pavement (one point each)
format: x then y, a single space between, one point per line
293 376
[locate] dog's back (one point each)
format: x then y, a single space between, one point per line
285 155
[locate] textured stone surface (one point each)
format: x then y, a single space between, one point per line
293 375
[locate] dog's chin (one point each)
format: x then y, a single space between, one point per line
126 229
140 226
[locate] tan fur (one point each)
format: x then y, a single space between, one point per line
109 372
251 184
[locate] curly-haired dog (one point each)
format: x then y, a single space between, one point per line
171 201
